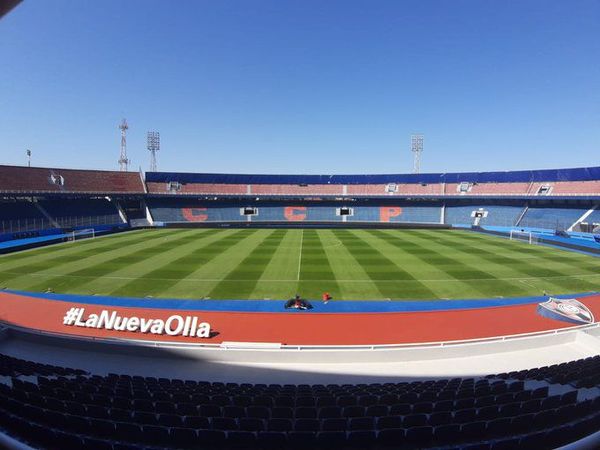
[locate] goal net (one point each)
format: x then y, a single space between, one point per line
525 236
76 235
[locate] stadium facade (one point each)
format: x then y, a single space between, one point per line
545 201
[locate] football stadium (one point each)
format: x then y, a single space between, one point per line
284 281
159 309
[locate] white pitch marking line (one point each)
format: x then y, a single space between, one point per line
300 256
527 284
433 280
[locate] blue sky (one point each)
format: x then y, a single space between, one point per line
302 86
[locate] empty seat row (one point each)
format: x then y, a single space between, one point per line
367 394
377 417
528 429
104 405
66 408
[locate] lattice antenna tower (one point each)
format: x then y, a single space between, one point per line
123 161
153 146
416 145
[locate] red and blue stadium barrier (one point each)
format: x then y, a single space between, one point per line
325 325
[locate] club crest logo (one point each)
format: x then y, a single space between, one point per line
568 310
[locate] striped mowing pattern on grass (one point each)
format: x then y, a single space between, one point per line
278 263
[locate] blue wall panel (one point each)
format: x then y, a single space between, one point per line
188 210
498 215
551 218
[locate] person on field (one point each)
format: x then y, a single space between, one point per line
297 303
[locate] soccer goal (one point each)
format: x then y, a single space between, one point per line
525 236
76 235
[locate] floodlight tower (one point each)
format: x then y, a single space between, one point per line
123 161
28 153
416 145
153 146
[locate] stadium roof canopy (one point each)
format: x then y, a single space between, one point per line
576 174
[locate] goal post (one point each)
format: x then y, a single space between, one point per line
525 236
76 235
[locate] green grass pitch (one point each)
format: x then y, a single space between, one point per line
278 263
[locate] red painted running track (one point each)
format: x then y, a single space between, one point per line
300 329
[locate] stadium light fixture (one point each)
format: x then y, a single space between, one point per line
153 145
416 145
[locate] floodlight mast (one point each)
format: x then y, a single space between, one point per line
123 161
153 145
416 145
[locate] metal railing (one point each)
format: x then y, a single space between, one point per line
24 225
556 223
41 223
